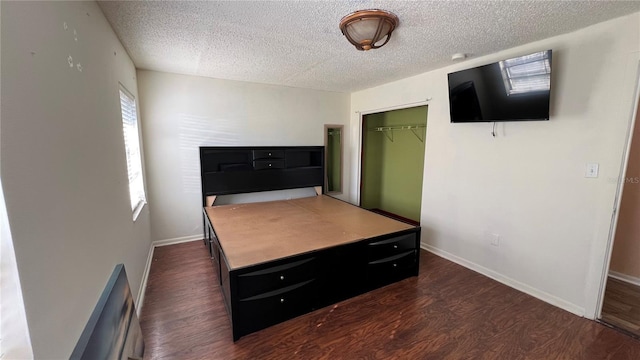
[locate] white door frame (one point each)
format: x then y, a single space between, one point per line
618 197
374 111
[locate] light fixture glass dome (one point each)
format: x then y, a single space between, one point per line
368 29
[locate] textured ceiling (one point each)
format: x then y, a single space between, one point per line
298 43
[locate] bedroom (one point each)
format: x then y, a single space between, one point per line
62 145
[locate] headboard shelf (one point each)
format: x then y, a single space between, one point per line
233 170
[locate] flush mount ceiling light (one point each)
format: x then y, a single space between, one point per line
368 29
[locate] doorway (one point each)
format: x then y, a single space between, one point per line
621 304
392 164
333 159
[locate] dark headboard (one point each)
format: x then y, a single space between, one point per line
233 170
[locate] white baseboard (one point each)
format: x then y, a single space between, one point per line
177 240
624 277
143 283
145 274
544 296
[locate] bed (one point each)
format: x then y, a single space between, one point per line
276 260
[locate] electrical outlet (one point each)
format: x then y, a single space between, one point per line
495 239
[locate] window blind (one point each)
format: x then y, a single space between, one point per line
132 148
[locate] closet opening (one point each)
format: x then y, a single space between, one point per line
392 162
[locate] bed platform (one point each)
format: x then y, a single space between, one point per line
280 259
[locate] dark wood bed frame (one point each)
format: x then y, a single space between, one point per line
262 294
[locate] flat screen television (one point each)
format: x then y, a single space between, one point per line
516 89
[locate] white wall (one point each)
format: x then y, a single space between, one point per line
527 184
181 113
63 165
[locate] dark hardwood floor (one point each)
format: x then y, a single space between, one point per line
621 306
448 312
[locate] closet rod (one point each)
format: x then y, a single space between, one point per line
388 130
399 127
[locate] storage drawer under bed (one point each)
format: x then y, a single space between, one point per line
384 248
394 268
260 311
276 277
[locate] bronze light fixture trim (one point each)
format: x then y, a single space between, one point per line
366 28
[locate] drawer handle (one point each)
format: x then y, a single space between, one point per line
395 265
281 277
395 246
281 300
269 154
269 165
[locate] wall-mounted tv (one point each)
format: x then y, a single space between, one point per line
516 89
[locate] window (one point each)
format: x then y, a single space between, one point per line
527 73
132 148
